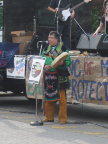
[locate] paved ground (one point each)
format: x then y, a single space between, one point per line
14 132
89 126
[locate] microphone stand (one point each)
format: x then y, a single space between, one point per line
34 24
36 123
57 13
57 22
70 32
41 42
105 15
41 48
81 28
83 31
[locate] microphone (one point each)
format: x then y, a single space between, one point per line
41 42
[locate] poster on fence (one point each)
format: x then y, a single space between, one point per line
36 69
18 71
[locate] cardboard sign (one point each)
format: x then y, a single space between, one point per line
31 87
89 80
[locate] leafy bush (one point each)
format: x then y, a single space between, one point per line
95 19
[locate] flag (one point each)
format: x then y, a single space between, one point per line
7 52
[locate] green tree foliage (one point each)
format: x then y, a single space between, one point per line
1 16
95 19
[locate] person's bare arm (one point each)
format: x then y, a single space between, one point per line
98 29
72 14
52 10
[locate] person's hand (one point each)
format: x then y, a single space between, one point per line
95 34
60 63
72 14
56 9
47 67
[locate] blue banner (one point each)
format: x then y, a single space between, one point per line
7 52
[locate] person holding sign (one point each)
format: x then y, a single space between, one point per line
55 77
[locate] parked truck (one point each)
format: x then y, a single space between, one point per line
88 79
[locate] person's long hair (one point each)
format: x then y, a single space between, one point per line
105 10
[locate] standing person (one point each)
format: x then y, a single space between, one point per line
53 90
63 27
102 22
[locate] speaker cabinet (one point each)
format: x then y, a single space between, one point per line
103 43
88 41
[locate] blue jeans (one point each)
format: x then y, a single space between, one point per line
65 31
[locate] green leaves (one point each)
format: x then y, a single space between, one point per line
1 16
95 19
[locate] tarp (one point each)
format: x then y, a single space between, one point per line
7 52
